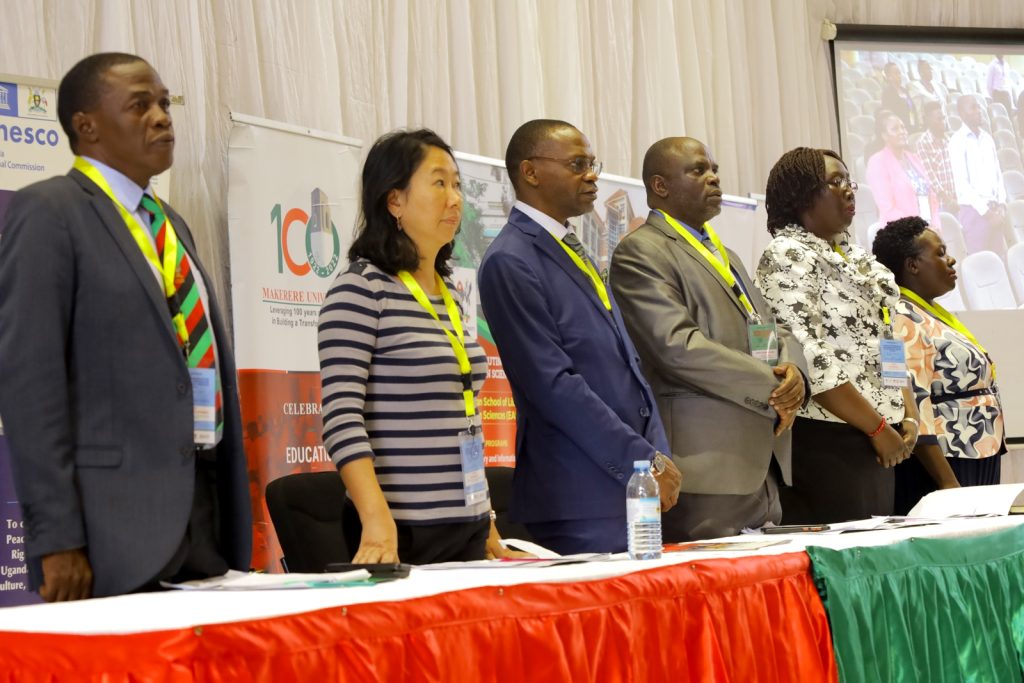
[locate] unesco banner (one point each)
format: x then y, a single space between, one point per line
32 147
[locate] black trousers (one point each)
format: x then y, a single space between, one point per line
198 556
426 543
835 476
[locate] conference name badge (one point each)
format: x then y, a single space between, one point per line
474 480
204 405
764 342
894 363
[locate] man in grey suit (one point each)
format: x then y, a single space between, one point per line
117 382
692 315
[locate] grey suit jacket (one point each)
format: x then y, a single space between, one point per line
96 396
691 333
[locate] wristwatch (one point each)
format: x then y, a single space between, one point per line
658 463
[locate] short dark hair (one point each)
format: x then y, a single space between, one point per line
794 182
82 85
390 164
524 143
897 242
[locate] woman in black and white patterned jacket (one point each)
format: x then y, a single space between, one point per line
836 298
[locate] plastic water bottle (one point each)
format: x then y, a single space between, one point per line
643 513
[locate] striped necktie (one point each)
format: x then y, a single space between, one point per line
183 300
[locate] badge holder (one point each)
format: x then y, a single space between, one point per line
894 360
474 480
204 405
764 340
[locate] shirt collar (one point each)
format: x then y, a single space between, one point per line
699 234
557 230
123 187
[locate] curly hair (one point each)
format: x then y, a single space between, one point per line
390 165
794 183
897 242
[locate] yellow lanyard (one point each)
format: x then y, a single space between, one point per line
951 320
144 238
591 272
457 339
720 264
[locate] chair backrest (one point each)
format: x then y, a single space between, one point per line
867 209
1002 123
985 282
864 126
1014 181
997 109
872 231
499 482
1016 210
953 235
1005 138
951 300
1009 159
306 509
1015 264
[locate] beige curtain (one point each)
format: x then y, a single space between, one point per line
750 77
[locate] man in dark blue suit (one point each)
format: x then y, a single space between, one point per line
123 475
584 411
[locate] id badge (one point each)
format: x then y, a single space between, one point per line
894 363
204 405
474 481
764 342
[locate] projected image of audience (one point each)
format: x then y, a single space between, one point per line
940 136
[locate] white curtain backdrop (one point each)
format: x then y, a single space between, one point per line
749 77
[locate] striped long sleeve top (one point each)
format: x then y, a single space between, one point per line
392 391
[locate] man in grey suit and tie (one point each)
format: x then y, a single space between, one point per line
117 381
705 339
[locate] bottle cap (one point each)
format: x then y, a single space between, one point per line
641 464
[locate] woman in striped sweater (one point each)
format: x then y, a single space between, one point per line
399 375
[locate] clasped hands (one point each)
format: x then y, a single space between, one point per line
788 397
893 447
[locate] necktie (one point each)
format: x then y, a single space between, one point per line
573 243
183 300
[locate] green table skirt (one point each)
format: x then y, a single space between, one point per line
927 610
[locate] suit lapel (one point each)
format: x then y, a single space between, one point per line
549 247
111 220
661 224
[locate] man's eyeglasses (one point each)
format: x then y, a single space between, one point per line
579 165
842 184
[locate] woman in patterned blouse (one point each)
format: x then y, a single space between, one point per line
835 297
962 435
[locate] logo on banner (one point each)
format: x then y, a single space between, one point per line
322 244
8 99
38 103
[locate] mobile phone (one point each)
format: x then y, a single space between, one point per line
794 528
387 570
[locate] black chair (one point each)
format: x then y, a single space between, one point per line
306 509
499 481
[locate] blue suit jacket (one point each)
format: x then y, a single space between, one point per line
584 410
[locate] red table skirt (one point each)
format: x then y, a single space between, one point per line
752 619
